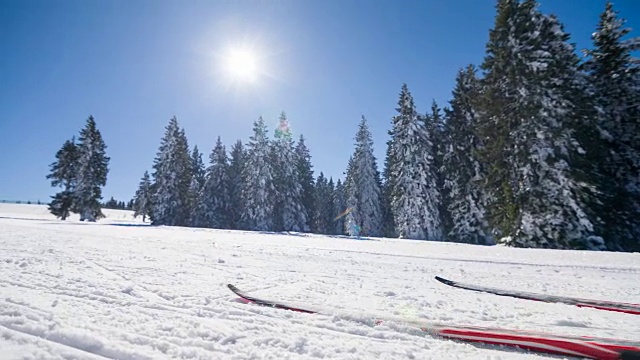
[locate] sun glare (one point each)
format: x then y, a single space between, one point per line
241 64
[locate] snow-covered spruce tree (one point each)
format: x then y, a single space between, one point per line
414 193
339 205
142 198
290 211
305 176
614 83
363 184
63 174
235 173
526 126
461 168
351 195
213 204
328 205
435 125
91 172
172 179
388 224
197 166
195 186
258 187
323 216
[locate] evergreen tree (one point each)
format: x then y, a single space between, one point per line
328 205
526 123
195 186
214 199
142 199
197 166
291 213
461 168
172 179
63 174
258 190
351 195
305 176
236 181
414 196
92 169
614 79
363 184
388 223
111 204
63 170
340 205
435 125
325 206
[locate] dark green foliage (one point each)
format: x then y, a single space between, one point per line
237 165
91 173
63 174
61 203
614 83
305 177
142 202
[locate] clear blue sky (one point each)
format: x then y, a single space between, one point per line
135 64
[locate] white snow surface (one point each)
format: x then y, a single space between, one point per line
121 289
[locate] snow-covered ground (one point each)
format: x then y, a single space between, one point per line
121 289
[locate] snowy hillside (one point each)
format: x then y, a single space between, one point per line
121 289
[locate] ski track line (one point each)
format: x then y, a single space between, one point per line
58 342
154 341
43 345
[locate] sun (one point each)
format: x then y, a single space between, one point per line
241 64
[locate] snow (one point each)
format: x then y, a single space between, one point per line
122 289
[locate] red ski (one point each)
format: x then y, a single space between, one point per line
582 346
595 304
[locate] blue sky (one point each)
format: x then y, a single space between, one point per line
135 64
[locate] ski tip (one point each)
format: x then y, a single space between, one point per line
232 288
444 281
629 355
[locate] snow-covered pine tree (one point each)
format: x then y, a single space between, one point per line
195 186
351 195
258 190
614 78
91 175
435 125
63 174
363 184
214 202
388 224
236 181
340 205
323 216
292 215
461 168
197 166
318 220
172 178
305 176
142 198
329 205
526 124
414 196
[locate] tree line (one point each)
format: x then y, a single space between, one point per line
537 148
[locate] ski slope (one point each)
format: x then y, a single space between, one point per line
121 289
